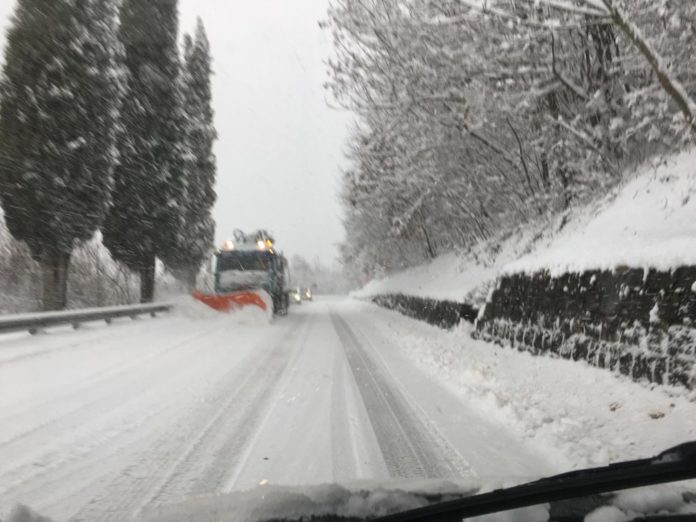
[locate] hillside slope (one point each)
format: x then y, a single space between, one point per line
648 221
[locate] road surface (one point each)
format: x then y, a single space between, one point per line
106 422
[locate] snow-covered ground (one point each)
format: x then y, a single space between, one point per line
578 414
112 422
102 423
449 277
649 221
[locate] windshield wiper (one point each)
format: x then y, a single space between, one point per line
678 463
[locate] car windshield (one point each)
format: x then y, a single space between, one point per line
303 259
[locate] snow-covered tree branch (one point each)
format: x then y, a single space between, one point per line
476 116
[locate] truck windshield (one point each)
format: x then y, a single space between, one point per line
243 261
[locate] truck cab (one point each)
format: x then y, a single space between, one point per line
252 264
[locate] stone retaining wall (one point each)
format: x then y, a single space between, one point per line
445 314
639 323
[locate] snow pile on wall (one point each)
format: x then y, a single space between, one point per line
453 276
648 222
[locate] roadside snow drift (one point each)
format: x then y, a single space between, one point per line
578 415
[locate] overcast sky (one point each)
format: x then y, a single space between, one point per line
280 147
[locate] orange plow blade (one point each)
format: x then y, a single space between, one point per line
231 301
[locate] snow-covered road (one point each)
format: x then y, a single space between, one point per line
108 421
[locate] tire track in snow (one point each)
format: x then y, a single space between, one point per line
90 334
206 467
70 346
243 444
189 456
104 375
355 452
279 390
410 449
111 376
101 430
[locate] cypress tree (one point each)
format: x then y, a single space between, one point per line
61 92
146 217
198 230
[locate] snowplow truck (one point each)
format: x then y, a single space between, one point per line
249 272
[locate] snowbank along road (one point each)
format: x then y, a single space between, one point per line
107 422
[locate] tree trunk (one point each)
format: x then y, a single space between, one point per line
147 282
428 244
49 286
54 275
545 175
191 277
100 281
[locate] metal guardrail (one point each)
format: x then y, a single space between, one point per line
33 323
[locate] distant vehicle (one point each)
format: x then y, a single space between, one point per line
295 296
307 294
248 271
